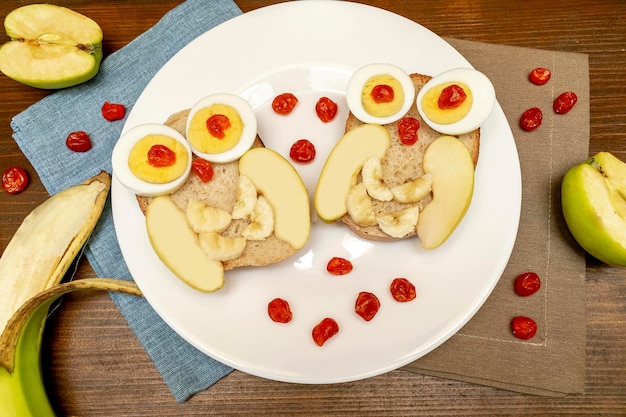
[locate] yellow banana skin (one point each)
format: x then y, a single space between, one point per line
48 241
22 391
31 267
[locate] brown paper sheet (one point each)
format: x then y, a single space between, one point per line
484 351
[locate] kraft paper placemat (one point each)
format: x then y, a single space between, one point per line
484 351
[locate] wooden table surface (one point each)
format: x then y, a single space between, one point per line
94 365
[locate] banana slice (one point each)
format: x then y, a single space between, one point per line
360 206
262 218
246 198
221 248
400 223
204 219
413 191
372 174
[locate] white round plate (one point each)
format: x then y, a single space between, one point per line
310 48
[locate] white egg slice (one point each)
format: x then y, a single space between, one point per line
483 96
248 118
357 82
122 170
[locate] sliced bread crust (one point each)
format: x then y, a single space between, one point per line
221 193
403 163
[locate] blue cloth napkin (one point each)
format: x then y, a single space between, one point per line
40 132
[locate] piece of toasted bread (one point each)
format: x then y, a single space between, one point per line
221 193
403 163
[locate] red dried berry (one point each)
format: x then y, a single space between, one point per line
113 111
366 305
284 103
402 290
339 266
203 169
531 119
326 109
14 179
523 327
302 151
324 330
78 141
279 310
527 284
564 102
539 76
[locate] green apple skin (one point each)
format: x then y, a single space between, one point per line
593 211
51 47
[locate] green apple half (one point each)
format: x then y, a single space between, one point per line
593 198
51 47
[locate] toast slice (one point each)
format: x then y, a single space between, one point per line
403 163
221 192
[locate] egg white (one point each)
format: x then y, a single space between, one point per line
484 100
122 171
248 118
357 81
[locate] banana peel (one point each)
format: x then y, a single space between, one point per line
48 241
22 390
31 268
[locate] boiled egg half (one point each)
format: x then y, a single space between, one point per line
456 101
380 93
151 159
221 127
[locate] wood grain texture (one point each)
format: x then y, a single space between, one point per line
95 366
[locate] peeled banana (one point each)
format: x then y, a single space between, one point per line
413 191
221 248
246 198
372 174
206 219
31 267
360 207
262 218
399 224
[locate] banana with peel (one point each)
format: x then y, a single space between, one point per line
22 391
31 267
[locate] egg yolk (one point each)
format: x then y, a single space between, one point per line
140 166
382 108
430 105
215 129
